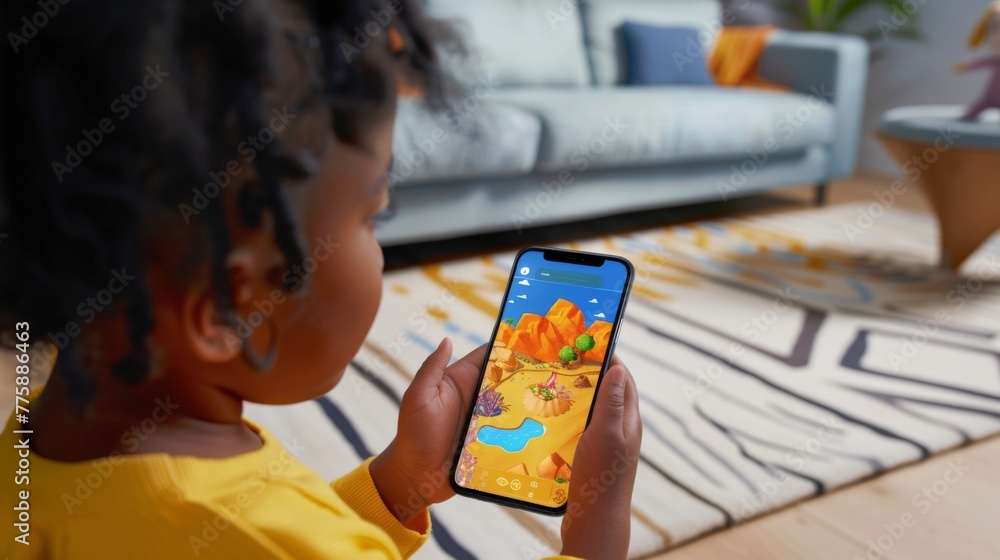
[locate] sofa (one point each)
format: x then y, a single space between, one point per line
546 131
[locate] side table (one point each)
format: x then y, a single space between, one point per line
957 164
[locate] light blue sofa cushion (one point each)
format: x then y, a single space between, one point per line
519 42
663 56
475 139
604 128
602 20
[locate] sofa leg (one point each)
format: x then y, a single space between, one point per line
820 194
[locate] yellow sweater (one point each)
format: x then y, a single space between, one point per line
259 505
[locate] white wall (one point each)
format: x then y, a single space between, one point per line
910 72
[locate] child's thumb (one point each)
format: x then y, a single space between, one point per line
609 406
432 370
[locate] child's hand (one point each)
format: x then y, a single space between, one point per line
413 471
597 521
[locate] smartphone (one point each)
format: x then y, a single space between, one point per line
551 345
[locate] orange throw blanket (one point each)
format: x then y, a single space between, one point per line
736 56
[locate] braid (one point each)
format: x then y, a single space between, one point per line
79 383
71 221
267 192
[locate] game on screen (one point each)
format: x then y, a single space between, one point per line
540 380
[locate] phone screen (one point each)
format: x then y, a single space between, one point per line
552 342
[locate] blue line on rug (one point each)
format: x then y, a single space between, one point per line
377 382
819 487
856 351
727 518
687 432
922 449
963 408
801 350
440 533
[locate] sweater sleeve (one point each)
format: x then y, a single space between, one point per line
358 490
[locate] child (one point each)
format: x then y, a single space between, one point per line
986 33
168 166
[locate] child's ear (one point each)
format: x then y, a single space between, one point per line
211 336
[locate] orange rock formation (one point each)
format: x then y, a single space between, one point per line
553 467
519 468
543 337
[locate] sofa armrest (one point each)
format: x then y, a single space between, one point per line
831 67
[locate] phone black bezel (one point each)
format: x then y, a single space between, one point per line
561 255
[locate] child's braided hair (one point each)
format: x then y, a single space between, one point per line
219 68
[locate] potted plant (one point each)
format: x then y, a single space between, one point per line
897 19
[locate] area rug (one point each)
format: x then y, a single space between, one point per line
778 357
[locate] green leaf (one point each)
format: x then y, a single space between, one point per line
567 354
816 15
832 15
904 33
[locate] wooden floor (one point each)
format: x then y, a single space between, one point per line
887 517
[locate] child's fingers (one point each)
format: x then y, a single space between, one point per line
429 375
616 409
616 361
475 358
465 372
609 406
632 420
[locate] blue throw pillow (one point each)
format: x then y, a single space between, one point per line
663 55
